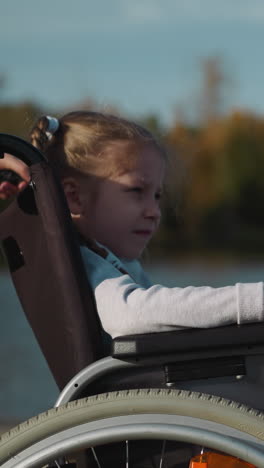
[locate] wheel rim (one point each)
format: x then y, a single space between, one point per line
116 429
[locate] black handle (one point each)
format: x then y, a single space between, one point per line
21 149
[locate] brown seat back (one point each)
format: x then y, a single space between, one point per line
44 259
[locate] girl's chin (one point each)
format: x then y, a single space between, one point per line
132 255
134 252
135 255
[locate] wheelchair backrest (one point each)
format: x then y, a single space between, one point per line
43 255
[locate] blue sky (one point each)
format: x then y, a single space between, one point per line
142 56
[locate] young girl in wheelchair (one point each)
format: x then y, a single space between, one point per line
112 171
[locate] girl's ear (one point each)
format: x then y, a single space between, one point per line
71 189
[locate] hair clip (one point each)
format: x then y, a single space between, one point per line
53 125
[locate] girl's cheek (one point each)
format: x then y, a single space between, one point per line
156 227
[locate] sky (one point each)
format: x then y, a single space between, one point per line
142 56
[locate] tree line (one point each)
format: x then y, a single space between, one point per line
215 193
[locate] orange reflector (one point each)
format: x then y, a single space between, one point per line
197 464
217 460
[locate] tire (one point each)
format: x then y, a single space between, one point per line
136 414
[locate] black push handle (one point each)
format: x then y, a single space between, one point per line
21 149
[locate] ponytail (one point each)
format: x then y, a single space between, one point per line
43 131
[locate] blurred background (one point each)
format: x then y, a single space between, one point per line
192 72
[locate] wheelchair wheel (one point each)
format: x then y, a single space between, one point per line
183 416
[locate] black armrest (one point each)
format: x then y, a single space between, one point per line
193 339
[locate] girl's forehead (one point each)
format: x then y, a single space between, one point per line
147 169
127 155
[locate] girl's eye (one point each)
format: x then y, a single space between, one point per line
158 196
136 189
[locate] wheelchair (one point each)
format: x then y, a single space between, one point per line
164 394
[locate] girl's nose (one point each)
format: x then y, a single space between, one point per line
152 210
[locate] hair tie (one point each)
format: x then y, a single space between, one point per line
53 125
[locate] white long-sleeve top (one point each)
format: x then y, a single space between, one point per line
129 304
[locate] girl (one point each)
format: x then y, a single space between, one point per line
112 172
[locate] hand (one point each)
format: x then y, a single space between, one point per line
9 162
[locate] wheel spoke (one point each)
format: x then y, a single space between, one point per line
95 457
127 454
162 453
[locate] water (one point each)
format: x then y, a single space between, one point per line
27 386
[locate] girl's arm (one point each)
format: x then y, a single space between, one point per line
125 308
11 163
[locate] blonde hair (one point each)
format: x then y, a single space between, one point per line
83 143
